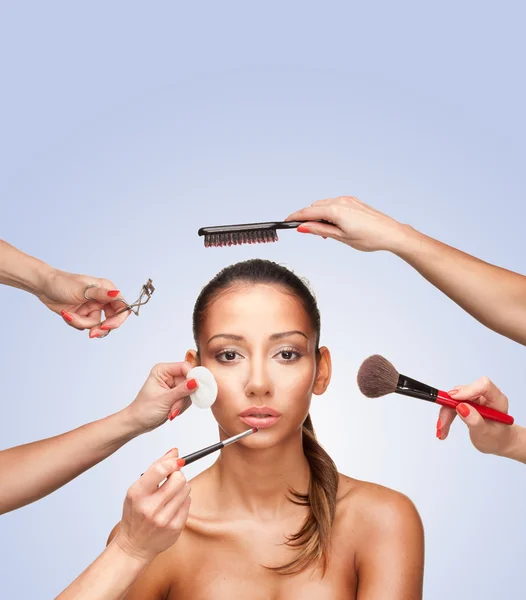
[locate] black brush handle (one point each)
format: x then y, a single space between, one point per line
190 458
254 227
416 389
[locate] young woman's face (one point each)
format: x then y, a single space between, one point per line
259 343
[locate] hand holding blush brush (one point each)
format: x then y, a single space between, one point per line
378 377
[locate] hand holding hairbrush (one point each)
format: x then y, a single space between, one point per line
247 233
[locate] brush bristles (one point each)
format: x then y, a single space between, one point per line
217 240
377 377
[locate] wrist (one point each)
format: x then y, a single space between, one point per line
515 446
131 426
125 553
128 550
403 240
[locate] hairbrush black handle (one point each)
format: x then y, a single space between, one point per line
254 226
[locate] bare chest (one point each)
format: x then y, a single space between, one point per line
235 565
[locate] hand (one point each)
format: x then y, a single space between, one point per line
487 436
63 293
355 223
163 396
154 515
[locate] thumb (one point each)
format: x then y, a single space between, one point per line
472 419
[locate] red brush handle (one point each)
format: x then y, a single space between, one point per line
491 414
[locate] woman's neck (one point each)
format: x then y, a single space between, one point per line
258 481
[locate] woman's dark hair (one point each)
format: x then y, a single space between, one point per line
313 540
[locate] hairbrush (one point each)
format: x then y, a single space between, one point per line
378 377
248 233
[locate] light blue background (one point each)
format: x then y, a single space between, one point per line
125 127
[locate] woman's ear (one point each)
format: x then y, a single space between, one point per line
323 371
192 358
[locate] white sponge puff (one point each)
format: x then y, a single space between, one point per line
206 392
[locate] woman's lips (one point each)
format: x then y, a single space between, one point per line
260 416
261 422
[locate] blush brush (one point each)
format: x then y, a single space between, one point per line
378 377
248 233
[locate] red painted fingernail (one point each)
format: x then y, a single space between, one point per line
180 462
174 414
439 424
191 384
463 410
453 392
303 229
105 327
94 335
439 433
113 293
66 315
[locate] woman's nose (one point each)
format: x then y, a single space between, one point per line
259 382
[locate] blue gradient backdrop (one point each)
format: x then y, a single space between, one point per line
125 128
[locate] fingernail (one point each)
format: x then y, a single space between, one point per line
439 433
113 293
463 410
191 384
105 327
66 315
453 391
171 450
180 462
439 424
303 229
93 335
174 414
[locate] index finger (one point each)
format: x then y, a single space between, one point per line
311 213
159 471
173 369
473 391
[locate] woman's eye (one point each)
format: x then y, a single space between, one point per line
289 355
227 356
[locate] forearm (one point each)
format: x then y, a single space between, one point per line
21 270
494 296
107 578
34 470
516 449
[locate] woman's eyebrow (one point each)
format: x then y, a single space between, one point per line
283 334
228 336
273 337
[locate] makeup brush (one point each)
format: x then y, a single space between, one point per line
190 458
248 233
378 377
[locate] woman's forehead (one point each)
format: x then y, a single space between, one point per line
253 305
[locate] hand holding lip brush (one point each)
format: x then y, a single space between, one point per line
154 514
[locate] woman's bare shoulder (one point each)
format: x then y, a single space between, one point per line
374 506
